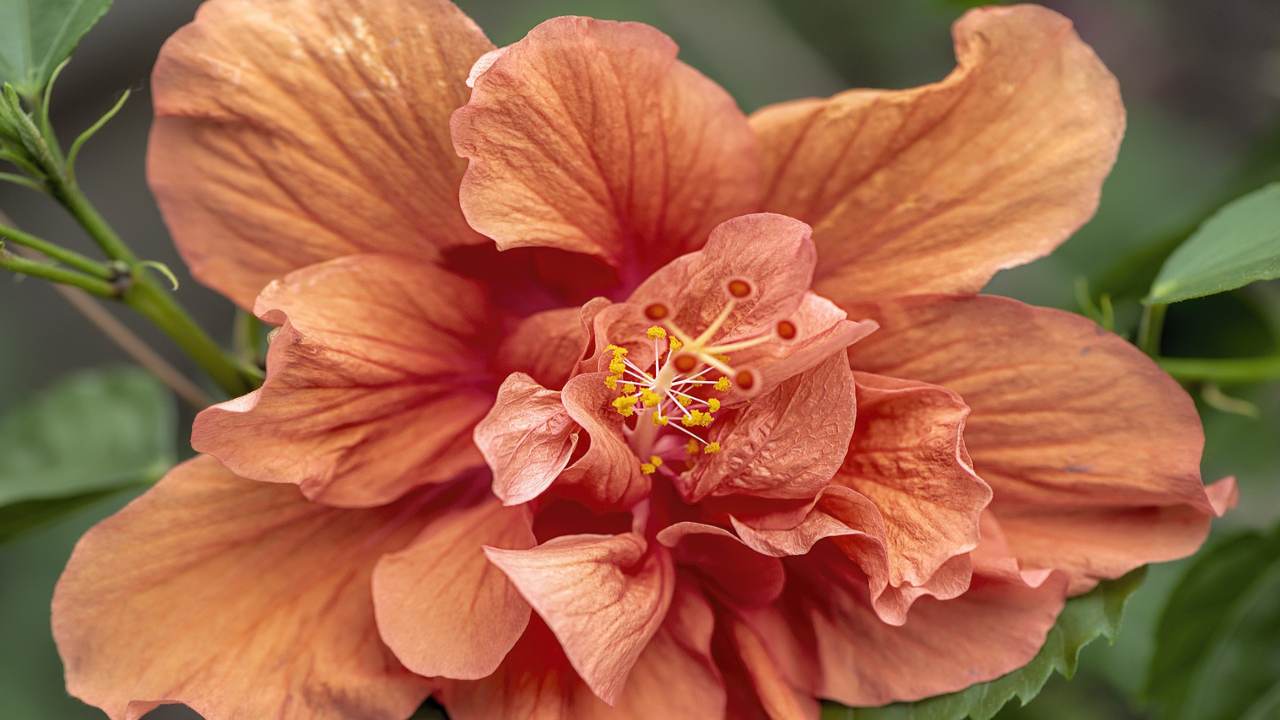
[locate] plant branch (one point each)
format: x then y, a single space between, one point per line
1151 327
67 257
54 273
1223 370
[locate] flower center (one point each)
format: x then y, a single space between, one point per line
677 391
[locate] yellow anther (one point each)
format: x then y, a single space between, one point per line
611 381
655 461
660 420
713 405
626 406
692 447
617 367
630 389
617 350
712 448
674 343
684 401
706 419
721 357
693 418
649 398
648 468
722 384
655 333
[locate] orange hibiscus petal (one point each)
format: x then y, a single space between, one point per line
945 645
908 457
337 141
374 383
238 598
590 136
935 189
547 345
441 606
607 476
822 328
674 677
741 575
772 253
859 548
604 597
784 445
1079 434
527 439
764 684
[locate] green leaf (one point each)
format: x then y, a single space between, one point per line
1083 620
1216 655
37 35
86 437
31 679
1238 245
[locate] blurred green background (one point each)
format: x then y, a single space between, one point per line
1201 82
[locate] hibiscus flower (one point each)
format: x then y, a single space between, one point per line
593 397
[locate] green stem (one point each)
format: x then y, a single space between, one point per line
1150 328
148 298
55 252
53 273
158 306
91 220
1223 370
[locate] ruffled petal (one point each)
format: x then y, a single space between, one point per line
374 383
739 574
604 597
908 457
589 136
995 627
857 548
1092 451
547 345
441 607
935 189
527 439
238 598
607 476
675 676
292 132
784 445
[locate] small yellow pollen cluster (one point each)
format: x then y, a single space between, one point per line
652 466
697 418
617 366
722 384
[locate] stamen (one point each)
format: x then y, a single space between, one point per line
715 325
740 345
652 466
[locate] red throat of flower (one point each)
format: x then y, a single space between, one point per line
679 392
